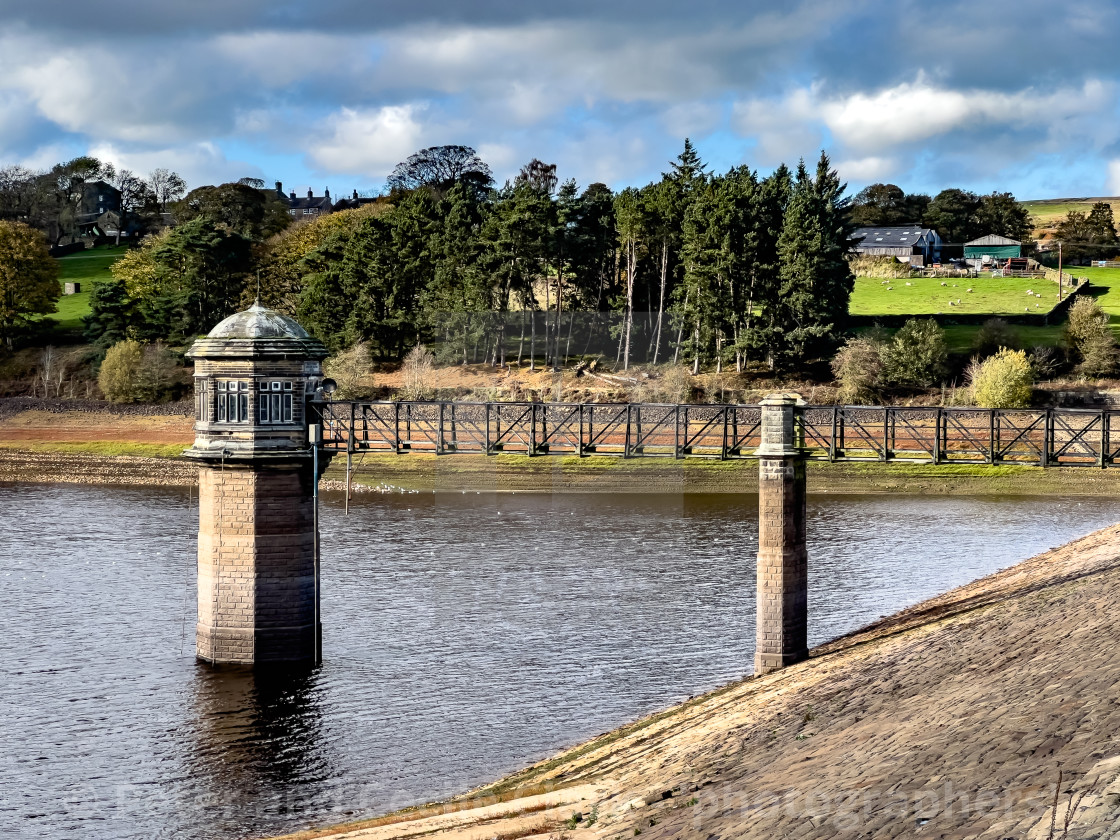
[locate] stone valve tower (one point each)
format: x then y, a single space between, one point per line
258 585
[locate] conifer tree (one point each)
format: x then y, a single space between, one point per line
816 282
632 229
456 303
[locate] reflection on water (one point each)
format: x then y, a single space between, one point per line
257 742
464 635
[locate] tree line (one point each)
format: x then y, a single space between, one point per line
701 268
707 269
958 216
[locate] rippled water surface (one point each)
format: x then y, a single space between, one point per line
464 636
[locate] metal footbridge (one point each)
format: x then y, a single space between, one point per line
1063 437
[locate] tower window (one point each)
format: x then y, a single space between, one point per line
233 401
275 401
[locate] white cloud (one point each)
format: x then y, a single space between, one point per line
198 163
370 141
45 156
867 168
607 93
603 155
501 157
1114 177
278 59
918 111
871 132
145 95
690 119
784 130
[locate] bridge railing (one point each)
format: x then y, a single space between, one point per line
1042 437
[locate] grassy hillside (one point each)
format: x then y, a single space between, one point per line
1048 213
86 268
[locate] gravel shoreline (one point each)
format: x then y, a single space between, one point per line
21 466
11 406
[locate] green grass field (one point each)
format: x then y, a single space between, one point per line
935 296
996 296
86 268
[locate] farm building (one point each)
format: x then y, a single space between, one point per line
991 248
910 244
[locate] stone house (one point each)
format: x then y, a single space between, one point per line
306 208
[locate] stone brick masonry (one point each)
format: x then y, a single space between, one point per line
256 555
782 573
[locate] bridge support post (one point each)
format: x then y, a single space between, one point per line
782 572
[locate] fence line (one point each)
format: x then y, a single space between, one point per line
1040 437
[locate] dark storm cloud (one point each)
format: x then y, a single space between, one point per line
145 17
1001 45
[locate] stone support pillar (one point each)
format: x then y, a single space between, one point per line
782 573
256 563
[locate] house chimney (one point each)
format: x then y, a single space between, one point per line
355 195
279 187
309 193
293 195
327 193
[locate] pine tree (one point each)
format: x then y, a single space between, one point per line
457 302
111 312
631 224
688 169
761 326
517 233
816 282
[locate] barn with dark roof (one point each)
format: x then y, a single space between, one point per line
911 244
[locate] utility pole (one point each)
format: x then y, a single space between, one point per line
1059 271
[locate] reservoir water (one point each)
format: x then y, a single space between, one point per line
465 636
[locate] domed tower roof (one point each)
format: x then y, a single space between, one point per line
258 332
258 322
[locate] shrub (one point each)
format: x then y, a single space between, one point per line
118 372
994 335
133 373
1046 361
673 385
857 368
1086 321
1002 381
1091 340
916 354
352 369
1099 355
417 380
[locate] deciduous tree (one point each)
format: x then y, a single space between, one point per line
166 186
952 213
28 278
439 168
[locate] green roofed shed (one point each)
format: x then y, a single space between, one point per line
997 248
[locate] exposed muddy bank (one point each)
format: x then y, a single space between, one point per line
51 463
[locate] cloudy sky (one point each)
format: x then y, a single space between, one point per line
1016 95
